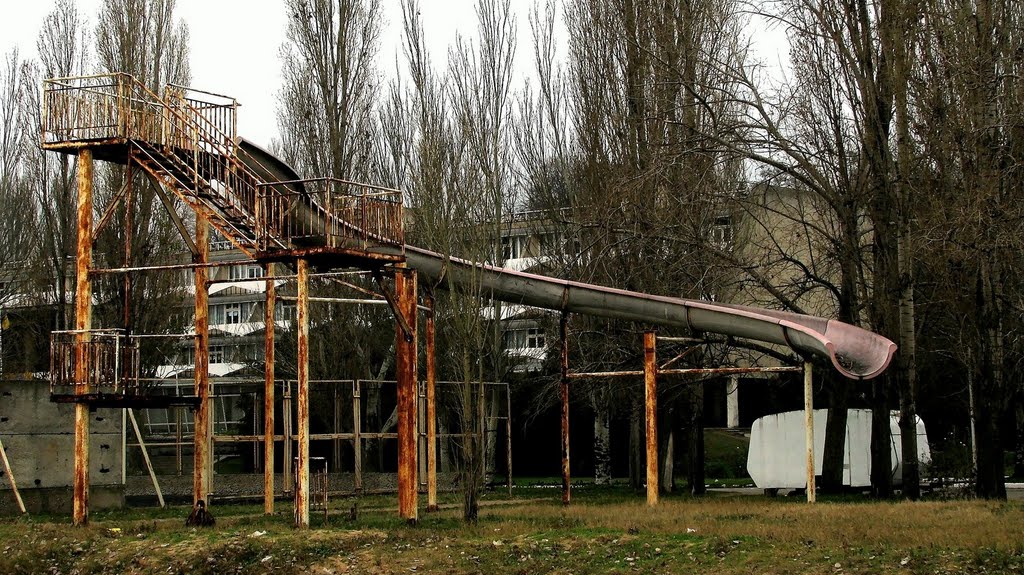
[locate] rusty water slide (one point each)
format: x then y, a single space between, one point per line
854 352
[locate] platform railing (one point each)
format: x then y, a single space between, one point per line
330 212
111 363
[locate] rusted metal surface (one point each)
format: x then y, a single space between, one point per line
651 414
563 332
83 323
330 212
268 391
596 374
405 371
809 430
108 361
201 469
431 405
302 411
727 370
173 267
685 371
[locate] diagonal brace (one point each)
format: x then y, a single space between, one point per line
407 332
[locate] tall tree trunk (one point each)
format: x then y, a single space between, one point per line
637 469
666 448
695 449
602 440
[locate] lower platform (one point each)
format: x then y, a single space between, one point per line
322 257
121 400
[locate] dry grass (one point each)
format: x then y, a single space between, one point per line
602 532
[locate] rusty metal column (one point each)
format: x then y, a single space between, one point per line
563 331
83 322
651 414
405 373
431 408
201 471
268 391
302 465
809 428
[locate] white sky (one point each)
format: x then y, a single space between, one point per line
250 32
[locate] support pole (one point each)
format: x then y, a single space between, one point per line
508 438
809 427
563 332
268 391
10 479
286 448
431 408
651 414
357 434
83 322
145 457
201 463
405 368
302 465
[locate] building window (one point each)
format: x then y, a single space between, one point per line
232 313
244 272
527 338
722 233
216 354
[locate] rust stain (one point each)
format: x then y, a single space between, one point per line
201 458
563 330
405 368
83 322
651 414
302 461
431 408
268 392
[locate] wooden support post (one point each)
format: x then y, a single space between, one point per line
651 414
302 465
431 408
563 331
83 322
145 457
809 428
405 369
202 460
10 479
268 390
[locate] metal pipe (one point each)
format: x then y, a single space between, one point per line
651 415
809 428
563 331
302 465
338 300
171 267
83 322
357 429
431 407
268 391
405 373
201 439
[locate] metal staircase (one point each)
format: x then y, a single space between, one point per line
184 139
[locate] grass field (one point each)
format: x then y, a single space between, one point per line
603 531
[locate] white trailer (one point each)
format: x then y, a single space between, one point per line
777 455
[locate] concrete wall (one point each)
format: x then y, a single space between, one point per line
39 439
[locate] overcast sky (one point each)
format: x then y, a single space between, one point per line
234 44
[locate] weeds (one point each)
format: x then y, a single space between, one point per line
603 531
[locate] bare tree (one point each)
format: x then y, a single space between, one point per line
145 39
17 248
326 111
63 47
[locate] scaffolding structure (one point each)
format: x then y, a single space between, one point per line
186 141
